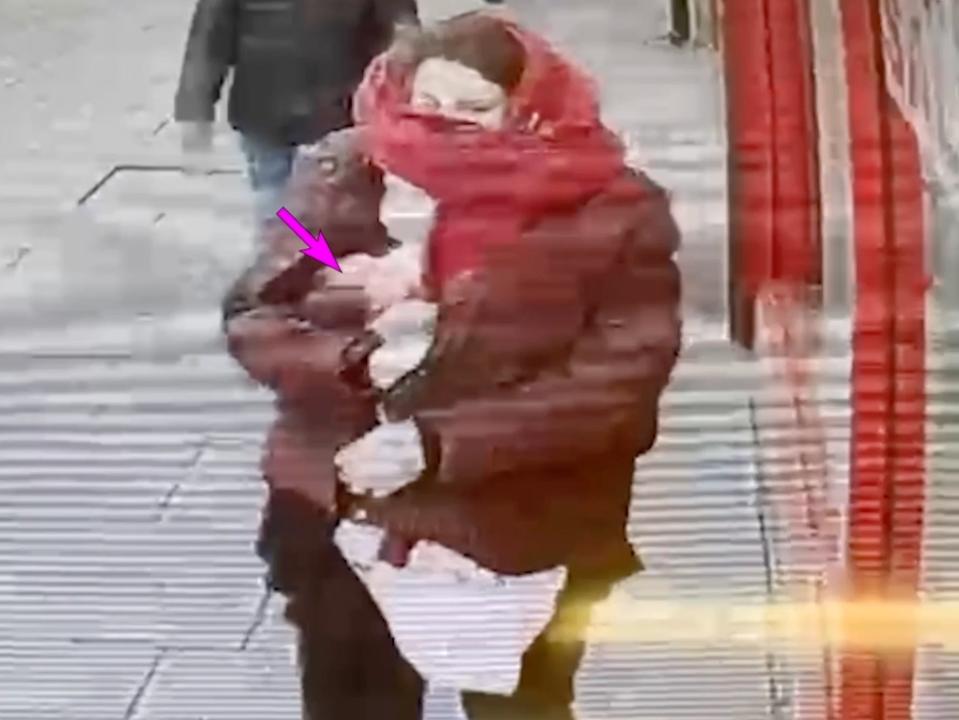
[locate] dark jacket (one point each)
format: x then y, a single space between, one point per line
558 320
295 63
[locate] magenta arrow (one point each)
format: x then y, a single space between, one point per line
316 247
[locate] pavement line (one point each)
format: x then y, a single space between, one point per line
137 698
259 617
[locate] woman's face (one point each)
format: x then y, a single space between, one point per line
456 91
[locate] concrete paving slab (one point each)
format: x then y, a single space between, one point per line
44 680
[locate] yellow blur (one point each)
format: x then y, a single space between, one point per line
876 626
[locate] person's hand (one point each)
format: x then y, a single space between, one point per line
357 272
196 140
385 280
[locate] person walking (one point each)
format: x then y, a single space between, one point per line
551 266
558 326
295 65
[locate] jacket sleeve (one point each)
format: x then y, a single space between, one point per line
604 402
602 397
268 320
282 324
210 51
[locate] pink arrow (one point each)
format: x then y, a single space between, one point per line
316 247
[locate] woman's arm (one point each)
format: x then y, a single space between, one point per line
284 323
268 320
604 403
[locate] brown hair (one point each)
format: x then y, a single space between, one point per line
477 41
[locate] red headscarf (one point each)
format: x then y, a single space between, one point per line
553 153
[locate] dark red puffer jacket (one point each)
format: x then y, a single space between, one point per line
553 345
542 388
558 325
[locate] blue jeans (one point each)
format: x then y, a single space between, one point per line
268 167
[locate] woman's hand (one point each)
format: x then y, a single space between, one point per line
385 280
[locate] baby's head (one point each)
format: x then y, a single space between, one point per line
466 69
335 189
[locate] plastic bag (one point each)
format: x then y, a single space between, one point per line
458 624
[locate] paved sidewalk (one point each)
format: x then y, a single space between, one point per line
128 440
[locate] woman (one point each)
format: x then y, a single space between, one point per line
551 266
558 323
